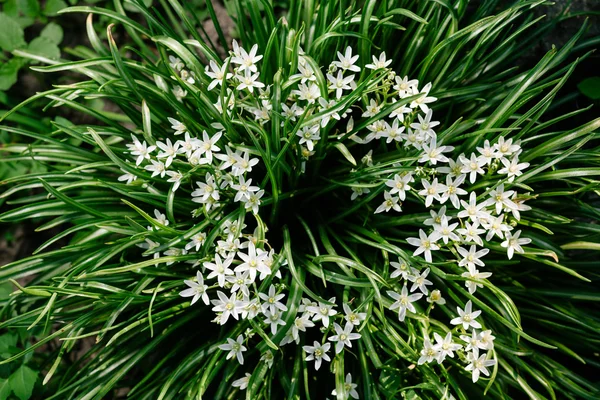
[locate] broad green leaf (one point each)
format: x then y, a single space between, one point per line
11 34
9 72
4 389
22 382
53 32
54 6
42 46
590 87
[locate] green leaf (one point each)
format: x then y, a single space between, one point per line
11 34
590 87
8 342
54 6
5 290
53 32
4 389
42 46
22 382
9 72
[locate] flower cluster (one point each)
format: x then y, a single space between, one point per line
237 273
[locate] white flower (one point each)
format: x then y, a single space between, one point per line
453 190
453 169
161 218
424 99
300 324
486 340
244 164
473 210
379 63
403 302
467 317
472 341
349 387
347 60
436 217
474 273
399 112
306 73
247 61
392 132
471 233
428 352
176 125
513 243
253 262
340 83
251 308
358 191
446 231
472 166
175 177
405 87
506 147
176 63
240 282
471 257
140 149
273 318
242 383
206 190
389 203
479 365
157 168
372 109
445 346
217 74
227 306
488 153
352 316
235 348
179 93
244 189
326 105
271 301
323 312
501 198
189 145
308 92
425 244
128 177
207 146
196 290
432 191
434 153
249 81
268 358
436 297
424 127
309 135
496 226
512 168
419 281
253 202
197 241
400 184
317 353
401 269
343 336
291 112
220 269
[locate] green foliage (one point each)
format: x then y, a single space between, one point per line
92 280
